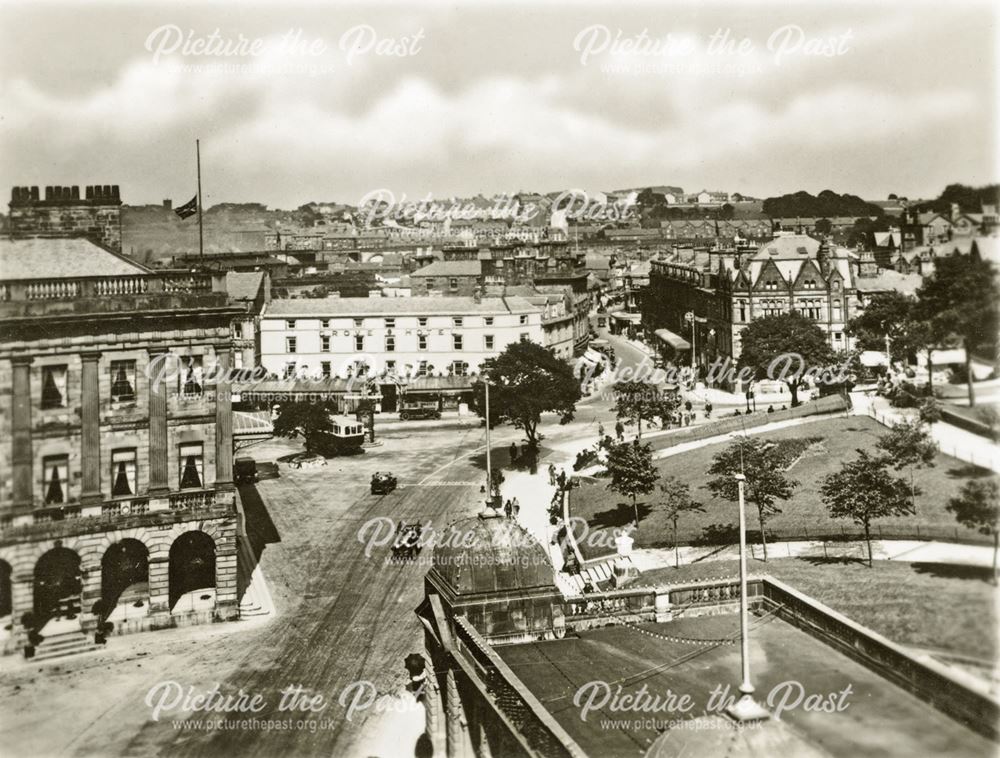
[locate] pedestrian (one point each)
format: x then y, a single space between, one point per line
600 431
687 406
619 431
515 507
552 475
770 409
708 409
507 508
513 452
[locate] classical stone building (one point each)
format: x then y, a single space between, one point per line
63 213
117 508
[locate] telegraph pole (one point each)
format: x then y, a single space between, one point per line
201 230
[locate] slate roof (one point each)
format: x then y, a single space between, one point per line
450 268
61 258
399 306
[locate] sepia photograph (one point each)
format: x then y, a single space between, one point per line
481 379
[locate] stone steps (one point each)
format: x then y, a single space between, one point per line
63 645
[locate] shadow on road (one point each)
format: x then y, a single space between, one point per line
955 571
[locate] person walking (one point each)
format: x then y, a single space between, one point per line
619 431
515 507
513 452
552 475
507 509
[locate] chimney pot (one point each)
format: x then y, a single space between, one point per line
76 192
48 192
90 192
115 193
34 194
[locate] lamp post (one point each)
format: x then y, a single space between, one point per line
746 708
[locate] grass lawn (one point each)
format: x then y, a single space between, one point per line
927 605
821 447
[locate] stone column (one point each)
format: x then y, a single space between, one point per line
90 438
22 601
158 453
159 582
21 454
223 420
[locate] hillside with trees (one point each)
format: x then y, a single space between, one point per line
826 204
969 199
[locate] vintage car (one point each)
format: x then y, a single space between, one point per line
244 471
419 409
382 483
407 545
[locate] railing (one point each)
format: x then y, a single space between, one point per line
131 507
183 501
102 286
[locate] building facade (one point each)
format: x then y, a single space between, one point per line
63 213
117 508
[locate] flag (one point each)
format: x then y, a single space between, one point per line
188 209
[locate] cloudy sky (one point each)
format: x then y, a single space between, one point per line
309 104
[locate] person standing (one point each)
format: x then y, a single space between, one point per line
515 507
507 509
619 431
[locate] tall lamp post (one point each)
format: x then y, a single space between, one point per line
745 709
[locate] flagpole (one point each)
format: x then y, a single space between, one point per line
201 231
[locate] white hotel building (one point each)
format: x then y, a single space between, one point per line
413 336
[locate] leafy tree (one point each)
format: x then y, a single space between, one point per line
891 314
763 464
960 298
676 502
930 411
978 507
823 226
630 465
864 490
526 380
765 340
637 401
304 419
909 446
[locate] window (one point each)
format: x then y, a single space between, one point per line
390 343
123 481
359 342
190 379
290 370
488 320
192 461
291 344
456 321
122 381
453 283
390 323
55 479
53 386
488 341
324 323
390 367
324 368
459 368
422 368
324 343
743 310
524 320
524 336
422 321
290 323
836 286
430 282
358 323
421 342
838 336
837 311
456 341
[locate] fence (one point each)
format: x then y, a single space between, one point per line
985 457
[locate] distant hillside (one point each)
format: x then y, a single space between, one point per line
827 204
969 199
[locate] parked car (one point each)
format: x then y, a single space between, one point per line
244 471
419 409
382 484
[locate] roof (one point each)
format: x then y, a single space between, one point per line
244 285
493 555
788 246
61 258
887 280
399 306
450 268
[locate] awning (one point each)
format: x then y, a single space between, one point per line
633 318
674 340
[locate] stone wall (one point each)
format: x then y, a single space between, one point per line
62 212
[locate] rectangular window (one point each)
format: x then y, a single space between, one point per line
55 479
524 336
421 342
290 370
453 283
524 320
838 336
324 323
390 323
192 462
122 381
459 368
359 322
190 379
390 343
488 341
290 323
422 321
123 473
324 367
430 282
422 368
53 386
324 343
390 367
291 344
456 341
359 342
488 320
456 321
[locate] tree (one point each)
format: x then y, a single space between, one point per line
930 411
526 380
791 335
676 502
630 465
960 298
978 507
764 466
864 490
890 314
823 226
909 446
637 401
304 419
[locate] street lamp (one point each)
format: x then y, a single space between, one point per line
745 709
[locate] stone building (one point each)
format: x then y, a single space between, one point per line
117 508
63 213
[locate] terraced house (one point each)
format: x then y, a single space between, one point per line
117 508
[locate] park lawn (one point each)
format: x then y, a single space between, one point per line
925 605
833 440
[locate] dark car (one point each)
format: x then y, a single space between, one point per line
244 471
382 484
419 409
407 545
